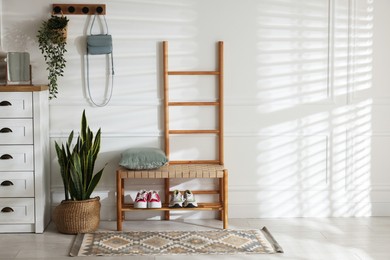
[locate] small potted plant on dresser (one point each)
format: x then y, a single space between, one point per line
79 213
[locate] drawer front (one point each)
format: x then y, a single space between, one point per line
16 158
15 104
16 131
16 210
16 184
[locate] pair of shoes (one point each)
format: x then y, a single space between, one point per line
147 199
179 201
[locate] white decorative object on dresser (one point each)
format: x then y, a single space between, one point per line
24 159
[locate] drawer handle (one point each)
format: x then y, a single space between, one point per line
5 130
6 157
5 103
7 183
7 210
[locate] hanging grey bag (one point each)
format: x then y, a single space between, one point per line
99 44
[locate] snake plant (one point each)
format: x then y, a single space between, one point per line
77 163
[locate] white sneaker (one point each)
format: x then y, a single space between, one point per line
154 201
189 200
140 201
176 200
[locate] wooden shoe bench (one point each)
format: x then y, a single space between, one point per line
171 172
184 169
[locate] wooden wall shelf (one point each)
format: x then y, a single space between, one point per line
79 9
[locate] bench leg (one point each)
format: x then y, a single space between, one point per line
167 214
221 198
225 199
119 201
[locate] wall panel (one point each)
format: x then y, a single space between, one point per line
306 91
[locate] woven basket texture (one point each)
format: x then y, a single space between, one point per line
72 217
60 35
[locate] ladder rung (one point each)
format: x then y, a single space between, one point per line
193 104
194 131
193 72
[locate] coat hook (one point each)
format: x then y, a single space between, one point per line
57 10
99 9
83 9
71 9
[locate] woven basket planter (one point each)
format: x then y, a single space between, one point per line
59 35
72 217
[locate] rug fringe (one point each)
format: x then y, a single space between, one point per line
74 251
272 240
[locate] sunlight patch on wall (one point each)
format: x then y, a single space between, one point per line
312 66
292 162
293 52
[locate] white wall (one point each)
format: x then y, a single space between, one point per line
306 92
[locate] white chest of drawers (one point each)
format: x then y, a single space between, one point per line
24 159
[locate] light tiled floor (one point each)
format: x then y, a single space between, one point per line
301 239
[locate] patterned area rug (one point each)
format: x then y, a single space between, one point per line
175 243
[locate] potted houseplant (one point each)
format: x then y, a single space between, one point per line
52 43
79 213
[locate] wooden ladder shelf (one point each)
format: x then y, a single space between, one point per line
185 168
218 104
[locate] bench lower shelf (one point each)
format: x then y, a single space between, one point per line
201 206
221 205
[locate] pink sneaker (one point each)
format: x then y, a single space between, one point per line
154 201
141 200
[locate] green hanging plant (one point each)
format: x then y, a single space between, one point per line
52 43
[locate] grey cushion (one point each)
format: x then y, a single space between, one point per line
143 158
